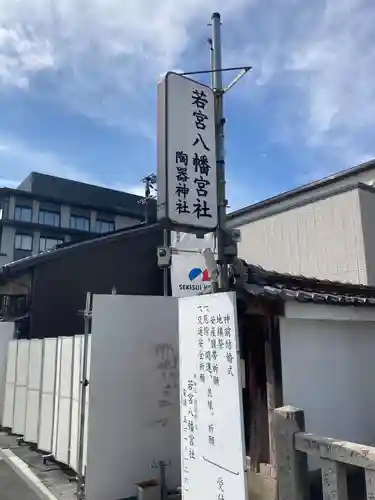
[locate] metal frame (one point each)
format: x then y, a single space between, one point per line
81 493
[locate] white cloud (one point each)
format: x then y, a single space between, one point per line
334 68
22 54
104 56
102 50
313 70
339 60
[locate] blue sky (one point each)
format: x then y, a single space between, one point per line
78 87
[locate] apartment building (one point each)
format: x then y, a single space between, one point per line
46 211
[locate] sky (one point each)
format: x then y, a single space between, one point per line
78 87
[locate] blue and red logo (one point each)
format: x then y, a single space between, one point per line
198 274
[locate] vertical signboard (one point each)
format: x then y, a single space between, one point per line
213 454
187 184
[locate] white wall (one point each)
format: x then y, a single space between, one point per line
328 370
134 416
6 334
322 239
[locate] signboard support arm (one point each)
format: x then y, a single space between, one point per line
217 85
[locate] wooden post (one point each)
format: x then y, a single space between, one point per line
271 394
333 480
292 471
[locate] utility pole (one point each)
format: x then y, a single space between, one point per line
149 181
217 85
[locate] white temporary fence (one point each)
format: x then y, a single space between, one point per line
75 401
63 400
42 394
22 371
47 403
10 384
134 396
34 383
6 334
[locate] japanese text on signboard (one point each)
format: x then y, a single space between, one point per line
191 196
213 452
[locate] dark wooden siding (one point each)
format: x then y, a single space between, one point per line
60 285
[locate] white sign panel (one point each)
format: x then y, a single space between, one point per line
187 187
189 241
189 275
213 454
134 419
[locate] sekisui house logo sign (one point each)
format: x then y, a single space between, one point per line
189 275
187 182
199 280
197 273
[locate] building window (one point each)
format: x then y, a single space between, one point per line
49 218
48 243
104 226
5 208
23 213
23 242
78 222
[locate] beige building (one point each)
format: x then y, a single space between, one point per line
325 229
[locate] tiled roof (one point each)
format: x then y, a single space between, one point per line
281 286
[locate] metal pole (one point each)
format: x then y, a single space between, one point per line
84 384
163 482
217 84
165 270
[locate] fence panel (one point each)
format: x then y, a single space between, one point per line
47 406
10 384
6 335
42 394
34 383
77 370
22 370
64 399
